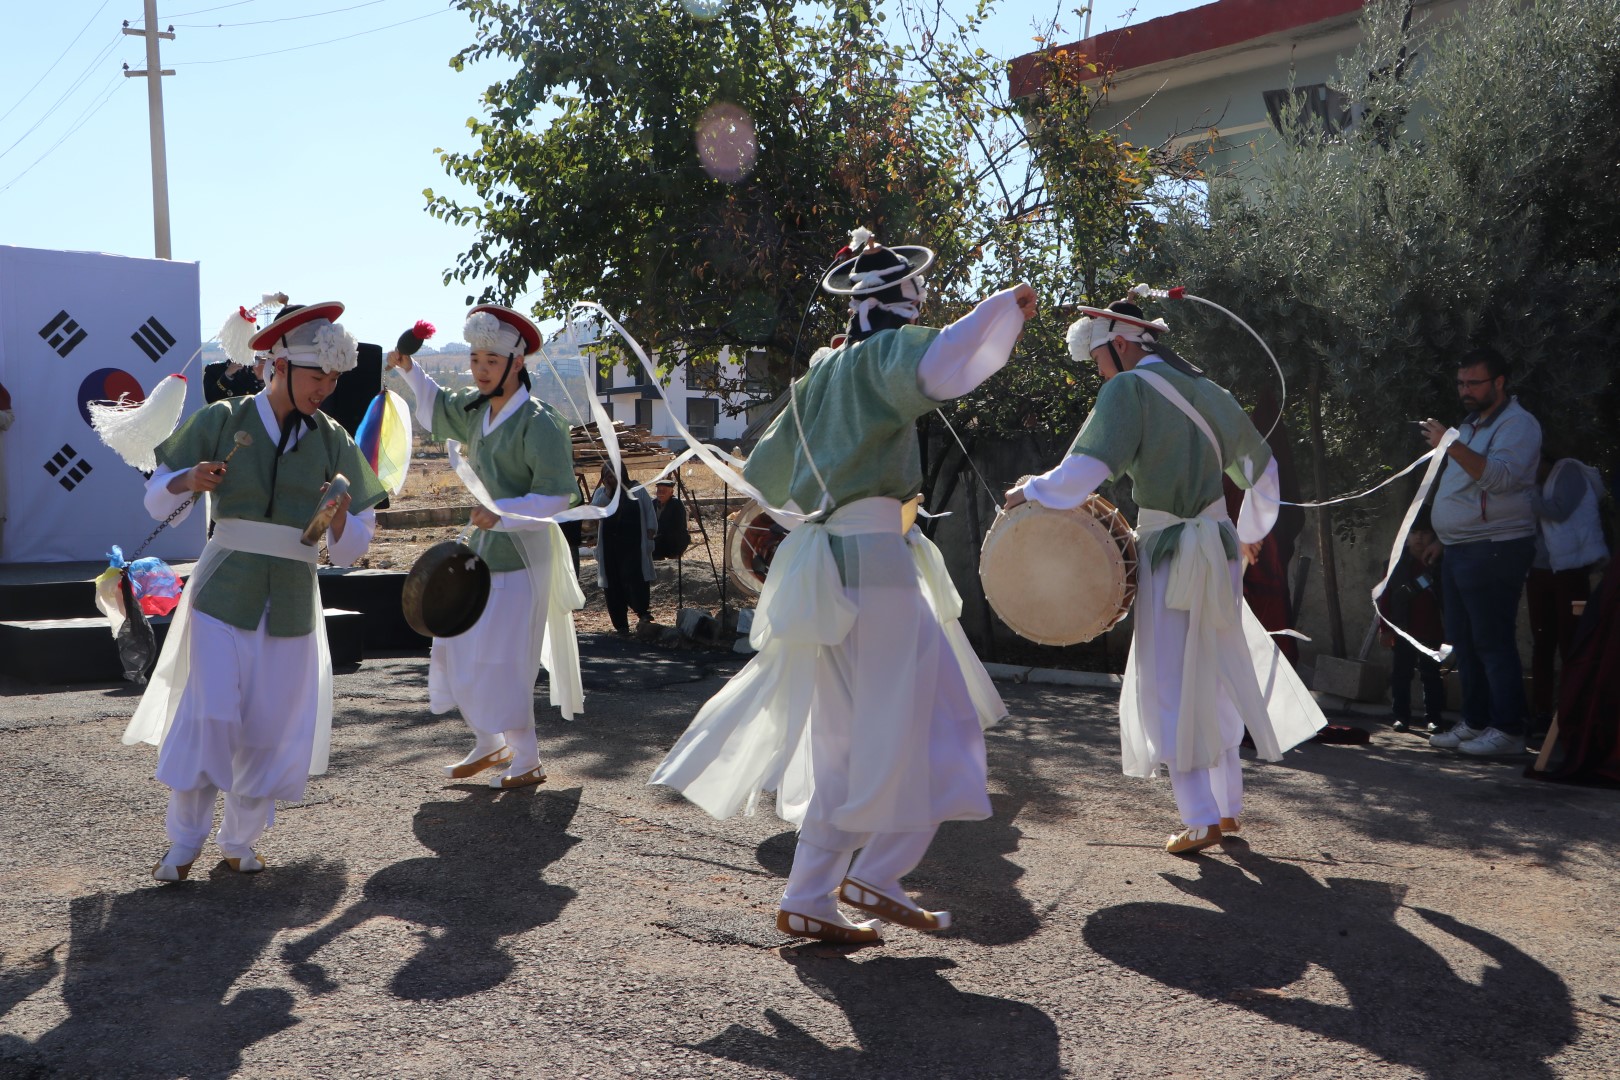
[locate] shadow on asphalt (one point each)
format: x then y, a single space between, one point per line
909 1021
1456 801
1405 1002
483 885
148 973
966 870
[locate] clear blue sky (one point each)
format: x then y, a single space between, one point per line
336 136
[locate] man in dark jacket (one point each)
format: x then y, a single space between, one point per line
672 539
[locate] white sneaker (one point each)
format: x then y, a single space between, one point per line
1460 733
1493 743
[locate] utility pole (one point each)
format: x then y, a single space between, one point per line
154 104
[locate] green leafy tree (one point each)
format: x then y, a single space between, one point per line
695 173
1475 202
1061 201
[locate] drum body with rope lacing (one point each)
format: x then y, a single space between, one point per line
1060 577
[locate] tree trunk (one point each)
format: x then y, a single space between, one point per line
1324 518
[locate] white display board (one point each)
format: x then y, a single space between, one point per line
74 326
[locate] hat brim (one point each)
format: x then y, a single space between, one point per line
1114 316
517 321
282 325
837 281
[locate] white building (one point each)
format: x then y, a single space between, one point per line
1213 78
694 389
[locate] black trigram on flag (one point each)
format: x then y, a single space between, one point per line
153 339
62 334
66 469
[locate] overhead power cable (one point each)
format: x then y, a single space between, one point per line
58 60
106 94
284 18
313 44
202 11
95 61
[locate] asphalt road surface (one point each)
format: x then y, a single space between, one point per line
1391 912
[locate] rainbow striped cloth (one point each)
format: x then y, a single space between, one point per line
384 437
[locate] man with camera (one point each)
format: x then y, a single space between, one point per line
1483 516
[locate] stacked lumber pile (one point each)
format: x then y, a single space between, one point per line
637 448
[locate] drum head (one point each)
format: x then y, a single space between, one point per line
1057 577
445 592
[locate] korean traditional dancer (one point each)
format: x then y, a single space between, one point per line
241 699
519 459
1198 656
864 707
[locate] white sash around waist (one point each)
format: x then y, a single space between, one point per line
263 538
1199 578
864 516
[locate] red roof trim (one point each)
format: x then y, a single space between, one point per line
1185 33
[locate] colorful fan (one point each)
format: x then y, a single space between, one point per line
384 436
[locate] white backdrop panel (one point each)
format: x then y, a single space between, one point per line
74 326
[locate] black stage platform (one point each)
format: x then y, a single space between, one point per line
51 631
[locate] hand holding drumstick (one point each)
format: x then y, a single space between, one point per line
208 475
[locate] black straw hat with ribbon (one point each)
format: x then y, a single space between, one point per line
884 284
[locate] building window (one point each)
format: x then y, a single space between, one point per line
1323 111
644 413
756 373
702 416
703 374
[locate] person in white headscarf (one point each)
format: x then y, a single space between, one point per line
241 699
519 462
1191 684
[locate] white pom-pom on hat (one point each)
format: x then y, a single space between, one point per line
235 335
336 350
1080 339
501 330
859 237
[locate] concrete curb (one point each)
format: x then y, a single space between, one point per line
1053 676
423 517
1098 680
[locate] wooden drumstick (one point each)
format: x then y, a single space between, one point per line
241 439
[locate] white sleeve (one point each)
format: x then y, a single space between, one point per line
424 389
357 534
1067 485
1261 504
972 348
529 506
160 501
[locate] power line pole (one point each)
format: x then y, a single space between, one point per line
154 72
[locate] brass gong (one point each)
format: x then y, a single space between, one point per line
325 510
445 592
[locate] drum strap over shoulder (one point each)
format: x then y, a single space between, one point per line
1174 396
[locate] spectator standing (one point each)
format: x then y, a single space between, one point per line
1412 602
1569 546
672 539
1483 516
624 550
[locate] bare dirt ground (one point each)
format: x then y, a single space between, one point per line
1392 912
696 583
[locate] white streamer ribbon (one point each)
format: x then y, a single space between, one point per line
726 466
1435 458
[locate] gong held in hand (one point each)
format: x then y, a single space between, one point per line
445 592
325 510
